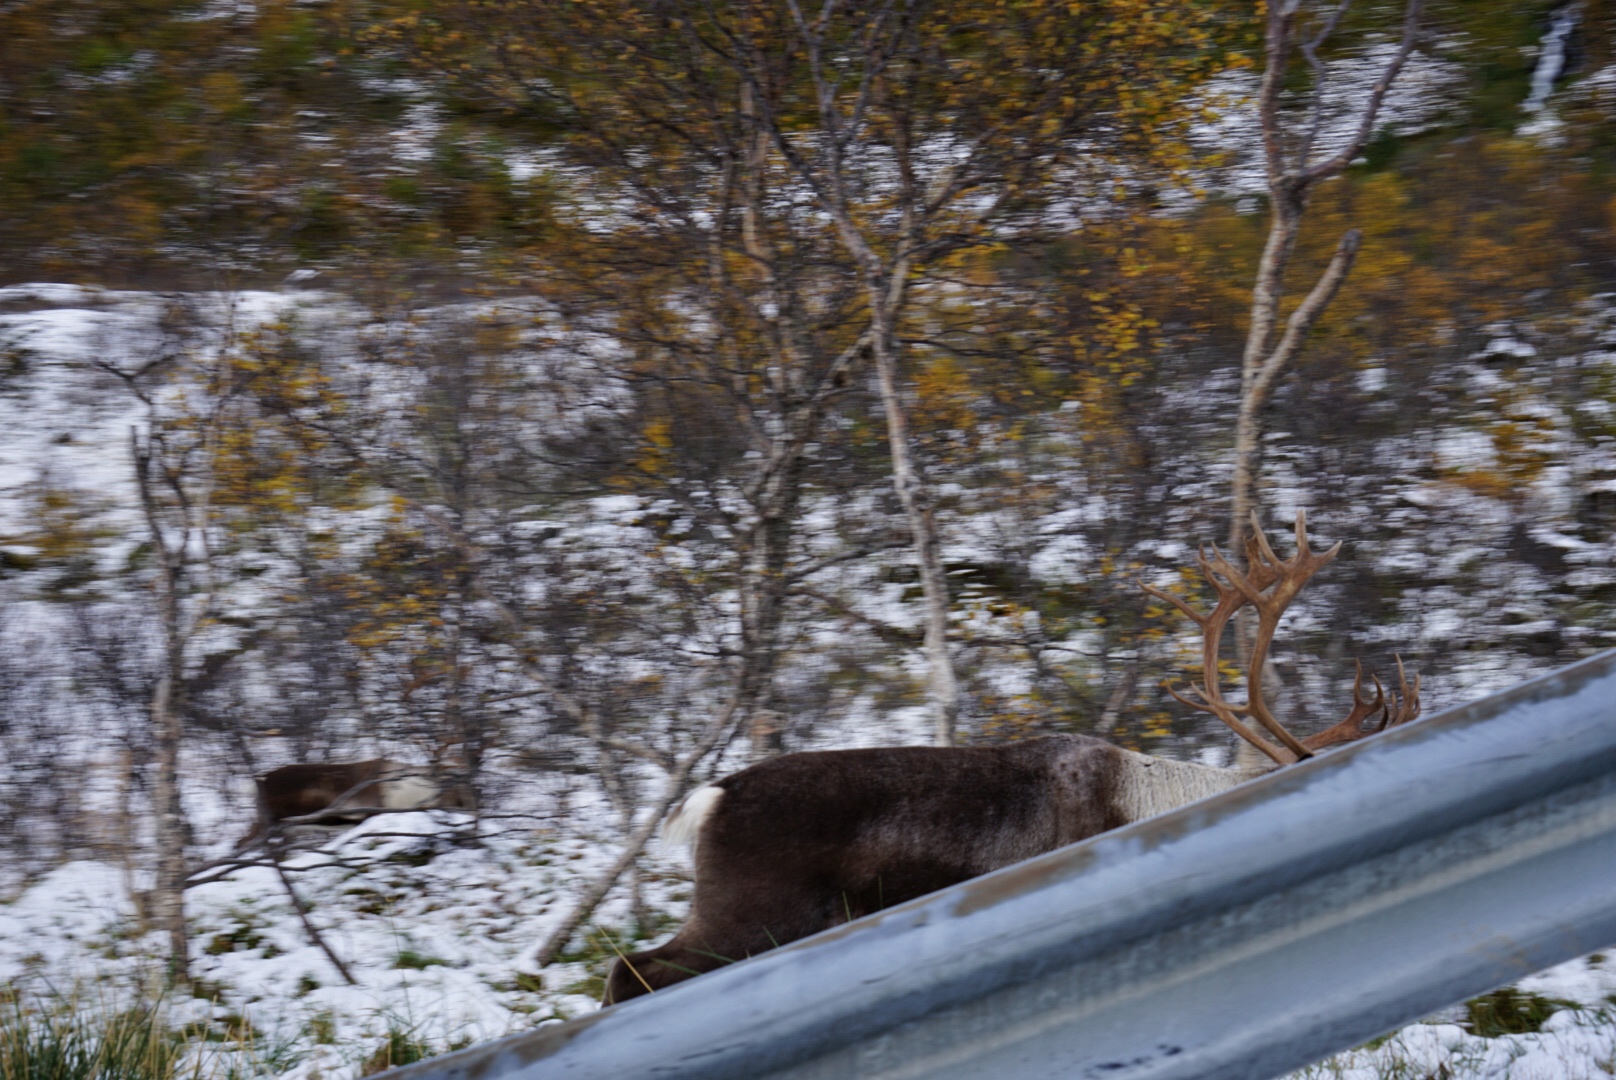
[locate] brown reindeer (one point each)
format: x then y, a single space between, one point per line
804 842
344 794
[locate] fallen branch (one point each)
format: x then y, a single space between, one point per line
303 912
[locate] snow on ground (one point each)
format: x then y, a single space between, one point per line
439 935
1576 1042
438 932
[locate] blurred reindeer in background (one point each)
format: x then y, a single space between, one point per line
346 794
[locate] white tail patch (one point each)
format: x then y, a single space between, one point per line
409 792
684 824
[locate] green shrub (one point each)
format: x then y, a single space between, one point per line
411 960
1510 1012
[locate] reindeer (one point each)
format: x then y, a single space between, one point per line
803 842
344 794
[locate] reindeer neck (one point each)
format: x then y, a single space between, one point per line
1148 786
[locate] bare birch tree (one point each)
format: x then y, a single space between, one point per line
1295 165
933 130
154 470
173 460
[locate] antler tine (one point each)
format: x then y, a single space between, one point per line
1229 714
1293 573
1303 548
1258 541
1380 698
1408 699
1352 727
1361 707
1162 594
1227 579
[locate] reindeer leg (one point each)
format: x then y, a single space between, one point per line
645 972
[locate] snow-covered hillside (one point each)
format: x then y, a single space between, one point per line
439 928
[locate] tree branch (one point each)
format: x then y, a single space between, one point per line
1377 96
1307 313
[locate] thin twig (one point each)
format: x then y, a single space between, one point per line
303 912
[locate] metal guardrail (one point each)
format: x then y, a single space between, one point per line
1241 936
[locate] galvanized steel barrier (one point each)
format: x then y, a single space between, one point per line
1242 936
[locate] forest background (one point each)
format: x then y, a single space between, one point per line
591 398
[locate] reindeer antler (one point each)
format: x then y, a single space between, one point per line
1403 707
1269 586
1230 600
